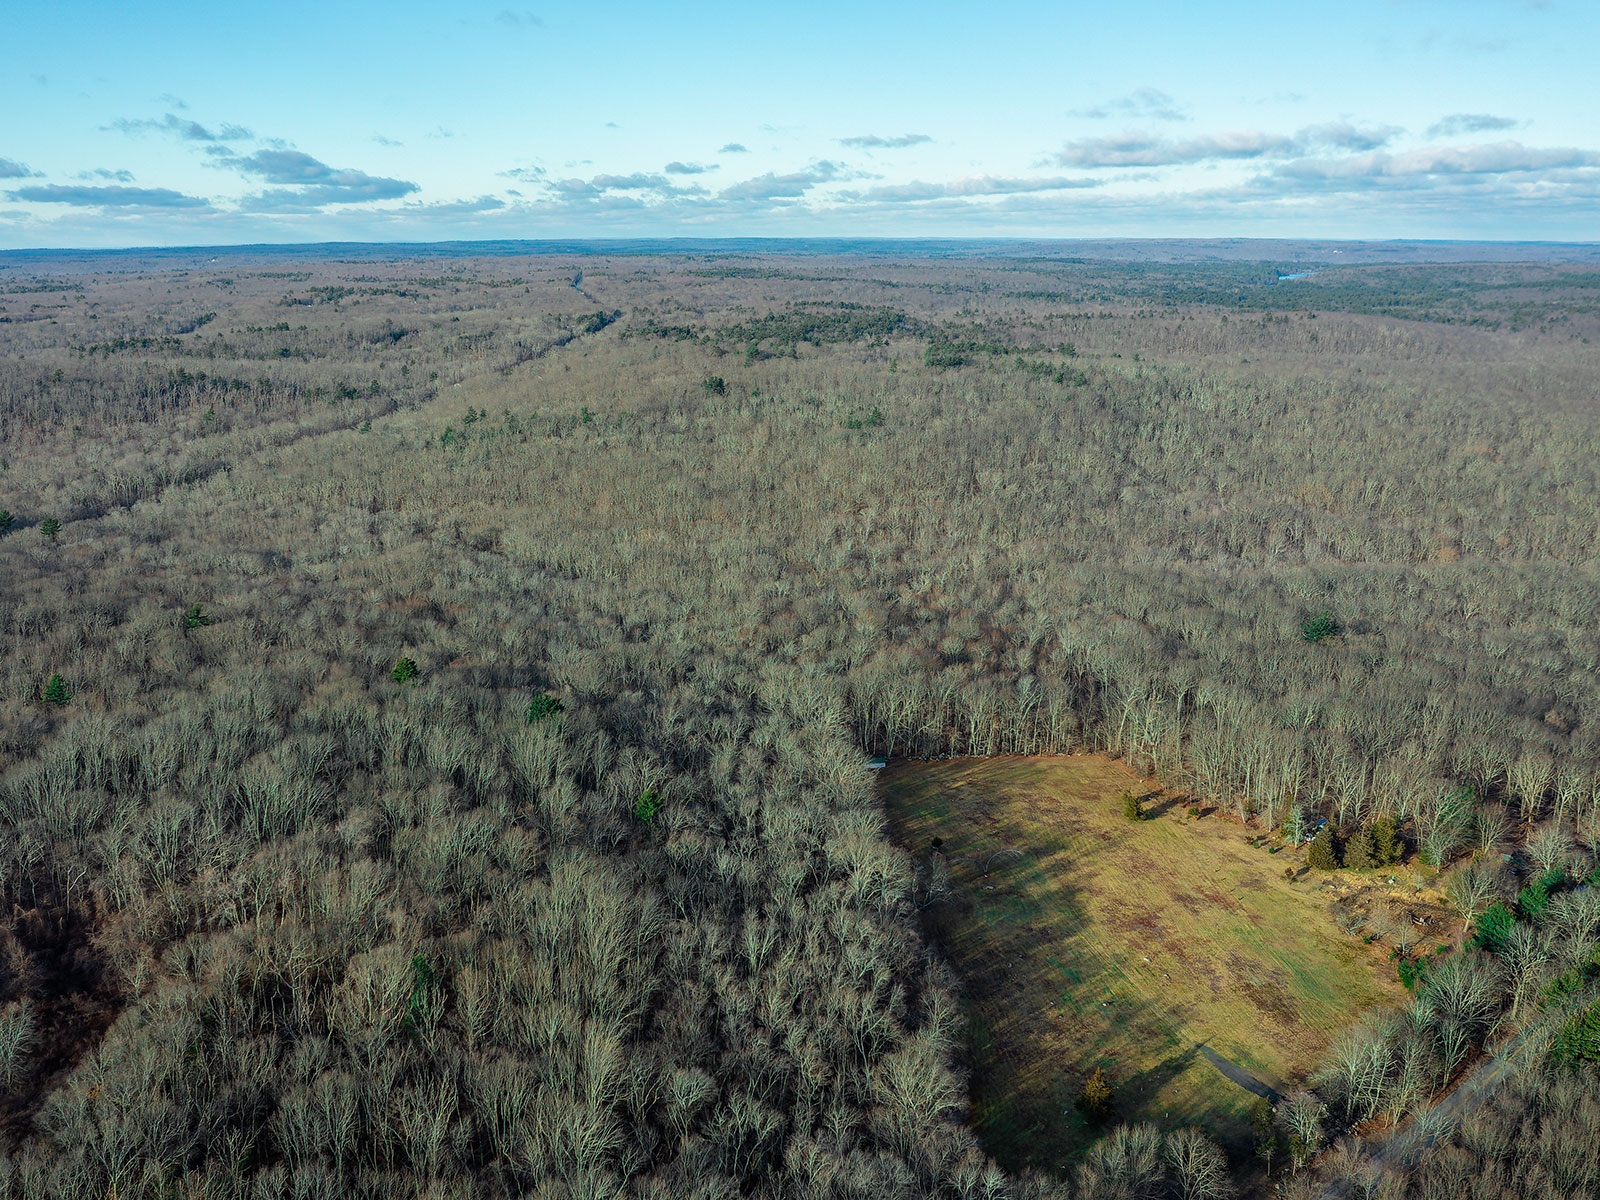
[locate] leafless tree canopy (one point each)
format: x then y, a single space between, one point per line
283 922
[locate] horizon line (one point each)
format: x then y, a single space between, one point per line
768 239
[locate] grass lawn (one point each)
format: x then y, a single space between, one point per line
1085 940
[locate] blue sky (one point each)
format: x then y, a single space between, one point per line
184 123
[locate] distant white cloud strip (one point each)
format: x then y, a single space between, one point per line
1147 150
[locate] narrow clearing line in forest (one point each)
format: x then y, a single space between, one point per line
295 437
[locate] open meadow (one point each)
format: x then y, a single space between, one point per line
1085 940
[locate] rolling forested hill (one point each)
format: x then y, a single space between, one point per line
434 692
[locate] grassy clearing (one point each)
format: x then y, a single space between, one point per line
1085 940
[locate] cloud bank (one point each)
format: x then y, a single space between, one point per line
112 196
1149 150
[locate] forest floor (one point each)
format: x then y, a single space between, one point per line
1084 940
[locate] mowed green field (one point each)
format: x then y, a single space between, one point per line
1085 940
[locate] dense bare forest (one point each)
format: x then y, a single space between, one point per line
435 692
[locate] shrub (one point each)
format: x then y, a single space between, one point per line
542 706
405 670
50 527
56 691
1132 807
1579 1039
1535 898
195 617
1323 625
1411 971
1097 1101
423 982
6 521
1324 852
715 385
1493 927
647 806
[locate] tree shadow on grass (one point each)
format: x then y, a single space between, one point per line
1167 804
1006 937
1134 1090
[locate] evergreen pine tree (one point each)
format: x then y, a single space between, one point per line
1361 851
56 691
1097 1100
1323 854
1387 842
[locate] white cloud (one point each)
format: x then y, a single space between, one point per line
309 182
1457 124
792 185
1147 102
873 141
181 127
1499 158
971 186
1149 150
113 196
